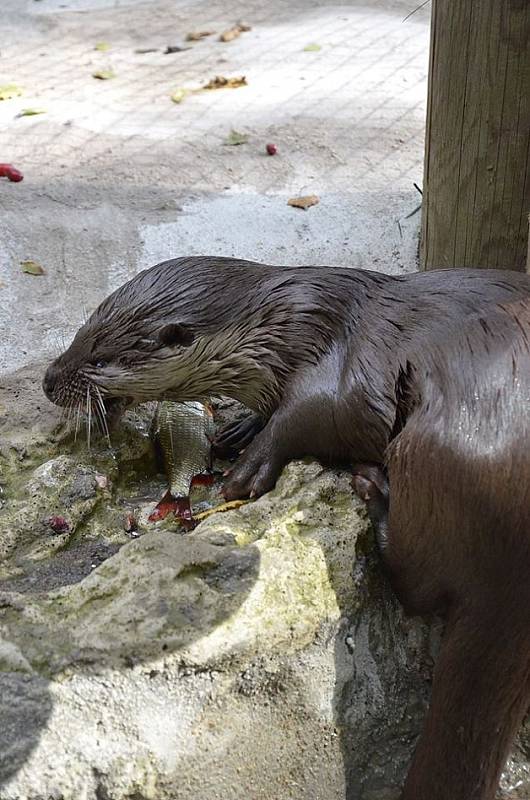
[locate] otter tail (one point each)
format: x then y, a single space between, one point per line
481 693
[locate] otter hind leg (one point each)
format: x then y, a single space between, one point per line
371 485
237 435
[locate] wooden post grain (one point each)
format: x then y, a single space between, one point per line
528 256
476 195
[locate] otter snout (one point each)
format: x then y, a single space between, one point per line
49 382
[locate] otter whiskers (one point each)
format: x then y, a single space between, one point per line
86 406
102 414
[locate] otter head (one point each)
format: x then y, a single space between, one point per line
188 329
118 358
130 357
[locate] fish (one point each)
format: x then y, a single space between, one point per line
184 431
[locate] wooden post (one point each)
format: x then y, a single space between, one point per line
476 194
528 257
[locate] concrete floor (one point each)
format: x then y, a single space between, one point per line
117 177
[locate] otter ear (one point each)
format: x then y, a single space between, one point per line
176 334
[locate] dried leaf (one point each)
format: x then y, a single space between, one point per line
229 506
175 48
103 74
304 202
129 523
312 48
234 138
230 35
233 33
10 90
102 46
31 112
102 481
179 95
220 82
32 268
196 36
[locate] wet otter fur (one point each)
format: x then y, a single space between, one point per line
425 378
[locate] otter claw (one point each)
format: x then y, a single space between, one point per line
237 435
369 481
250 480
371 485
362 487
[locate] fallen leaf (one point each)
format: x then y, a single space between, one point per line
220 82
304 202
143 50
10 90
102 482
312 48
229 506
233 33
234 137
196 36
32 268
102 46
103 74
175 48
31 112
179 95
129 523
230 35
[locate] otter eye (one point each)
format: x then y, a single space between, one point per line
176 334
100 364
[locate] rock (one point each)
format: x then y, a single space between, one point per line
244 583
59 488
261 655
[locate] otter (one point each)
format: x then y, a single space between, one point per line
420 384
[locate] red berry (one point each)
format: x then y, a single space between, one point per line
59 524
14 175
271 149
8 171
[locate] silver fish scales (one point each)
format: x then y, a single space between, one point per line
184 431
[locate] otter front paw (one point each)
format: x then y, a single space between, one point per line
237 435
252 476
